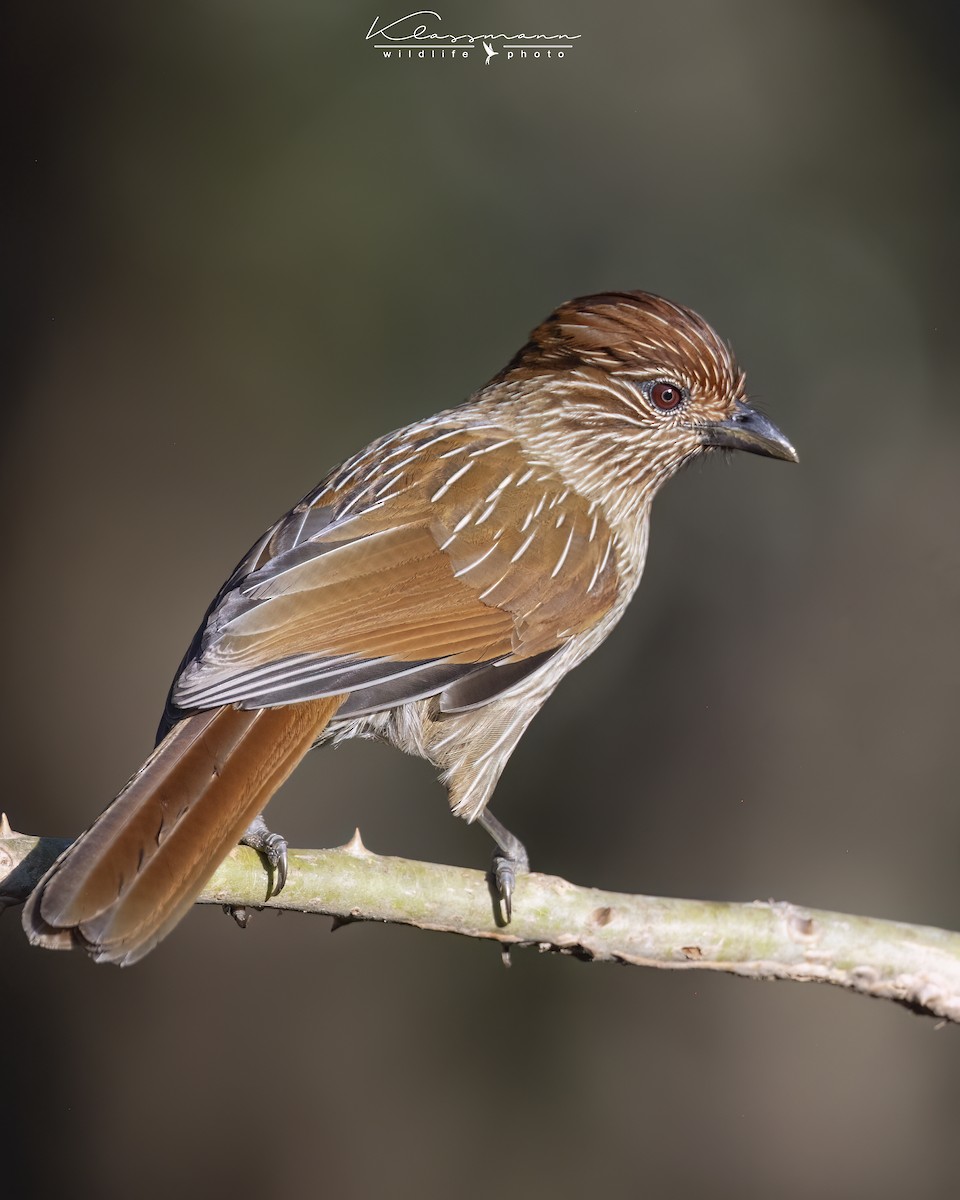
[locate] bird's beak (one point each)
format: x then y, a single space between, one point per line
746 429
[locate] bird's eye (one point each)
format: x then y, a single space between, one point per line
665 396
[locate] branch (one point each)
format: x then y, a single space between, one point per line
915 965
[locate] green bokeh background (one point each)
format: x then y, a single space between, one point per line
239 245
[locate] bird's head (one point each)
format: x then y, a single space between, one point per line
640 384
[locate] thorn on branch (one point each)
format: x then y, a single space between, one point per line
355 846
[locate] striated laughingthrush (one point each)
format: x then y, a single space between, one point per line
432 591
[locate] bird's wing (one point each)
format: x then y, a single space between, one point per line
426 561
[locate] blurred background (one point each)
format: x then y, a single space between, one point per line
239 244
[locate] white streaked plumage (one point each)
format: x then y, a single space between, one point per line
444 488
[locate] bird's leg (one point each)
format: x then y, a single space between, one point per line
509 860
273 846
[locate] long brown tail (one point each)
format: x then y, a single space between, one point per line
125 883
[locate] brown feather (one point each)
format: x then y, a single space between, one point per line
453 567
132 876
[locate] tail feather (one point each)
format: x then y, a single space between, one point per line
134 874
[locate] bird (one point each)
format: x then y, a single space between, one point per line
489 52
431 592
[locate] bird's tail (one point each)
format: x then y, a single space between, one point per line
125 883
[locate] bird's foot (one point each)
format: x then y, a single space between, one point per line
509 861
273 847
505 871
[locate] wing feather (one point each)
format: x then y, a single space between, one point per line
374 587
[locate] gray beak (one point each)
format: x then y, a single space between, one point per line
746 429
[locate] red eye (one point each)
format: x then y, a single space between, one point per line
666 396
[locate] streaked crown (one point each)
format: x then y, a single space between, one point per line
635 335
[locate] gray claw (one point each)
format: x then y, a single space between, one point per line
505 877
281 871
276 853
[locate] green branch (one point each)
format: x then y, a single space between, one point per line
912 964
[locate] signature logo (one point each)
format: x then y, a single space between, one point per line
422 35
